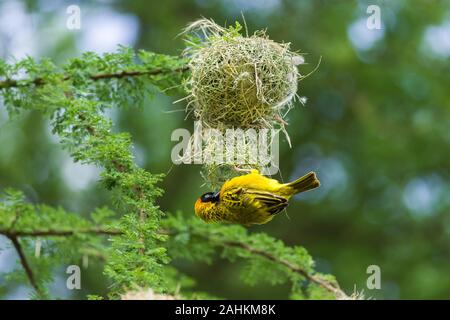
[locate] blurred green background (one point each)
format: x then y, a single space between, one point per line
375 129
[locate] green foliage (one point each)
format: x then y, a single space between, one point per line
65 237
76 106
267 259
142 242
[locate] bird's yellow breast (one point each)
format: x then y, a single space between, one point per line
211 212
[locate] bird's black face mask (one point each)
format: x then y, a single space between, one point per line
210 197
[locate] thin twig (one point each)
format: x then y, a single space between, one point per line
339 294
334 289
120 168
15 235
11 83
142 218
57 233
24 262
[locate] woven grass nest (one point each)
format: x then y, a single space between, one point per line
239 81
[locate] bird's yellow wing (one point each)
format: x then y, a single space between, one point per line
254 202
269 202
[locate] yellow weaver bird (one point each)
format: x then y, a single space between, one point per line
251 198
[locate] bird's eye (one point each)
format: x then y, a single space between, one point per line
206 197
210 197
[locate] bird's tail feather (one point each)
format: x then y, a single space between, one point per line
307 182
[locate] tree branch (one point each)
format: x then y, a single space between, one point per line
334 289
15 235
11 83
56 233
120 168
142 217
339 294
25 265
